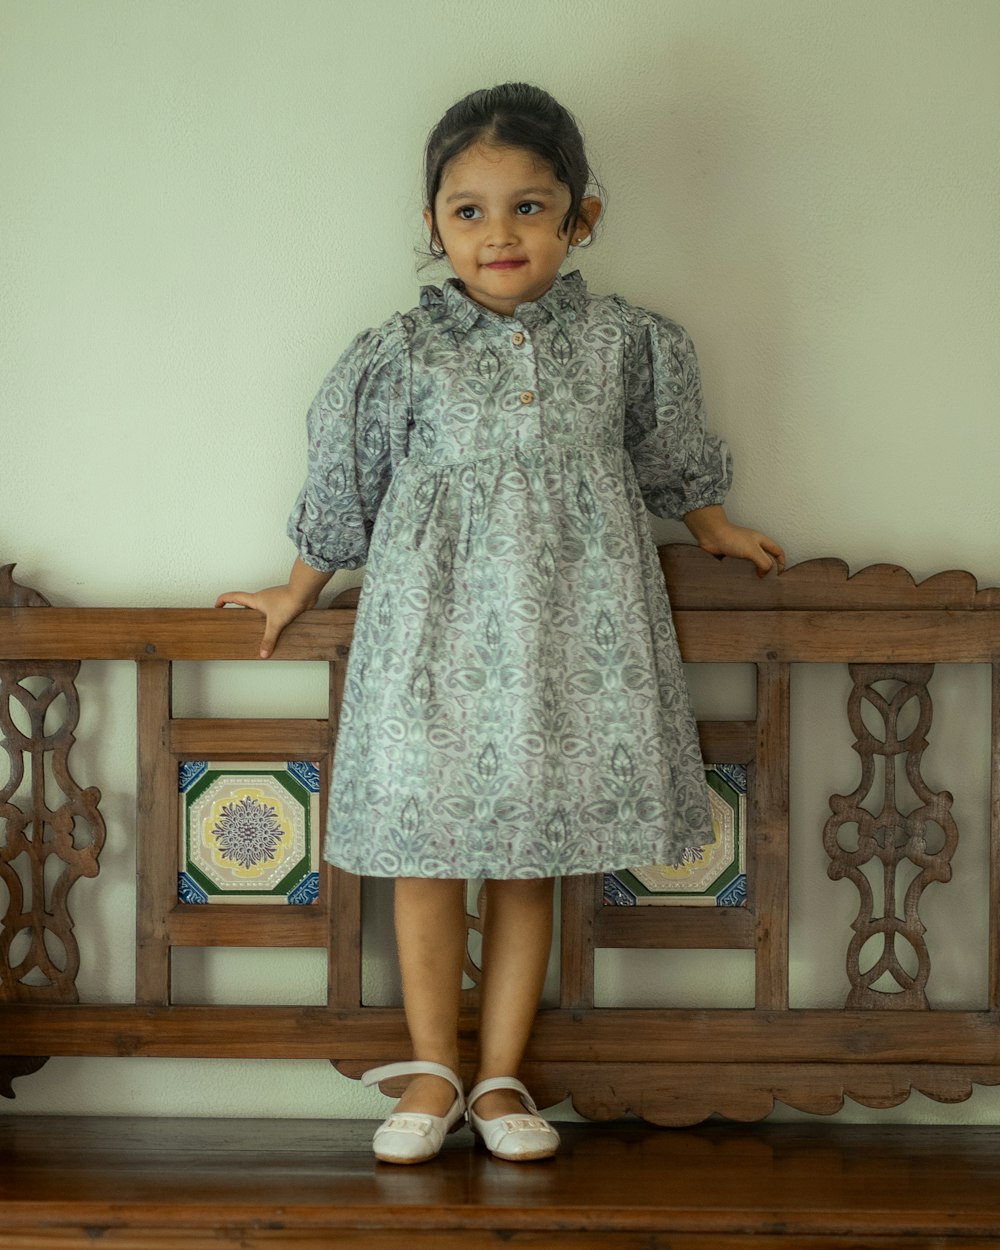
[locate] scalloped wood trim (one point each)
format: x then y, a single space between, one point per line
13 1066
697 581
678 1095
14 595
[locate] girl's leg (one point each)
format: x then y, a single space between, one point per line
516 941
431 936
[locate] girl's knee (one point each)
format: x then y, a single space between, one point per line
536 890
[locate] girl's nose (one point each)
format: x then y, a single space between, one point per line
502 232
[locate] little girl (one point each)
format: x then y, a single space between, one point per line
515 708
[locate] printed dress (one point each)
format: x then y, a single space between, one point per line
515 704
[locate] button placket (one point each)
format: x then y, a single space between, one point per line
526 406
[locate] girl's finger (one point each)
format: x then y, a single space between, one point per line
231 596
269 641
774 549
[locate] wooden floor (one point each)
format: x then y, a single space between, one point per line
152 1184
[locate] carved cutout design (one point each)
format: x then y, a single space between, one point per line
39 710
895 840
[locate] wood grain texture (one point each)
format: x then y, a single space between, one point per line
700 581
633 1035
158 1185
676 927
730 635
767 868
581 909
156 834
249 739
166 634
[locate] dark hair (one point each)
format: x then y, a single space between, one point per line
516 115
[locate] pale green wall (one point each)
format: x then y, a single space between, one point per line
203 200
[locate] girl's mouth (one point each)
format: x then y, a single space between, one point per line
505 264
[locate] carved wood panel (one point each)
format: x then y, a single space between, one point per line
895 831
51 839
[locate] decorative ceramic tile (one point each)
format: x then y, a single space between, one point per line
710 876
250 831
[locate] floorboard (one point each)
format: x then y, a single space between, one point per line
150 1184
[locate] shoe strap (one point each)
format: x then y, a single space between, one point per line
502 1082
412 1067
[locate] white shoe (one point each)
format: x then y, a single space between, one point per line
518 1138
412 1136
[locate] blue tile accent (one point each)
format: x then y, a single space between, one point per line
307 891
188 773
735 894
735 774
307 773
189 891
615 893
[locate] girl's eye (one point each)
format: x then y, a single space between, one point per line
528 208
469 212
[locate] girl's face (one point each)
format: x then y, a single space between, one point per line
499 214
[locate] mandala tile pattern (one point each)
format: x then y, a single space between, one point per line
713 875
249 832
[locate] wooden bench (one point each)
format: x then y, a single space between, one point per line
909 1187
312 1184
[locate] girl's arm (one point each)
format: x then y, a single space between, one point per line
281 604
716 534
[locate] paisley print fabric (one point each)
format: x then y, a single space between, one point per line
515 705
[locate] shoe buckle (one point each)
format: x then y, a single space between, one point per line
417 1125
521 1123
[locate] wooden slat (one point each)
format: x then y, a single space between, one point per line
247 739
961 1038
675 926
724 636
839 637
727 741
344 967
248 925
767 853
344 936
581 903
166 633
720 1036
157 836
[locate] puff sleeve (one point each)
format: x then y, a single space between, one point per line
679 465
357 430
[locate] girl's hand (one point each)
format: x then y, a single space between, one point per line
717 535
280 604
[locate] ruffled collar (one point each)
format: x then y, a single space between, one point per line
564 298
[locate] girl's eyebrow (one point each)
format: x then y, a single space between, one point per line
474 195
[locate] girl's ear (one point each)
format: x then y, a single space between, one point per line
590 211
429 223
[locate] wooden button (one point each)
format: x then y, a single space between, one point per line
526 397
517 339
